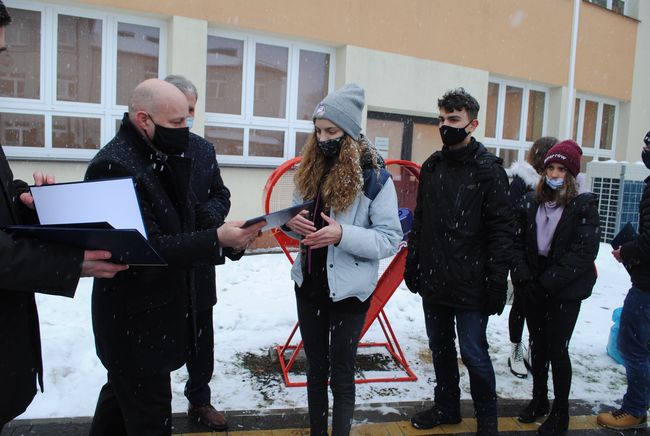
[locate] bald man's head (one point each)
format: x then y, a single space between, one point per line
156 102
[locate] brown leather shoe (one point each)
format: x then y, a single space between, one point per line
208 415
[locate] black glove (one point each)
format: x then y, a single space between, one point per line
411 279
495 302
534 291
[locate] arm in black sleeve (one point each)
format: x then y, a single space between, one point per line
411 272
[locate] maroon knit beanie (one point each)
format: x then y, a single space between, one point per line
567 153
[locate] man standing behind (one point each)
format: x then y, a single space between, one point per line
26 265
458 258
213 204
144 322
634 332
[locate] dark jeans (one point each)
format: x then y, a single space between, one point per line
633 342
200 366
550 326
330 339
134 406
471 326
517 317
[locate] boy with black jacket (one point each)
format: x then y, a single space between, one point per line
458 260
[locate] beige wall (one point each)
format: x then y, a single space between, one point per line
639 107
516 38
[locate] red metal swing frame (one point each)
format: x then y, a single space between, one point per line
390 279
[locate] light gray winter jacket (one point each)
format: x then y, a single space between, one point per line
371 231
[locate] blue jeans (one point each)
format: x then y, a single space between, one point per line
633 340
471 326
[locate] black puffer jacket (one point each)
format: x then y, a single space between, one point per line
636 254
460 245
570 273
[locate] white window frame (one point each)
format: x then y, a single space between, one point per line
246 120
48 106
596 152
521 144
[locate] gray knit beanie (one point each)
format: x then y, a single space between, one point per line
343 107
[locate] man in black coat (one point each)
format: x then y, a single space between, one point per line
458 258
144 322
213 204
25 266
634 332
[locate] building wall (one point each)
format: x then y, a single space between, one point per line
407 54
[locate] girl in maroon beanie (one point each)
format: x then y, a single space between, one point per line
556 244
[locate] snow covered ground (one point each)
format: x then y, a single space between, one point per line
256 311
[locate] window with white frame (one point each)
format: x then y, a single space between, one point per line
594 127
260 96
67 74
617 6
516 115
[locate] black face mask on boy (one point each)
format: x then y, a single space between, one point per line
453 135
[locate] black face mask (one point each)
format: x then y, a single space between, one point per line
331 147
170 140
453 135
645 152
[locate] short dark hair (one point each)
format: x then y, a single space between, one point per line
459 99
5 18
538 150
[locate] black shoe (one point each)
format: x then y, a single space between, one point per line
490 428
556 424
429 418
536 408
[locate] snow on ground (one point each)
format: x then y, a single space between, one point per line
256 311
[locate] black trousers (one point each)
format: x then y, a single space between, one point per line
550 326
200 366
330 339
134 406
517 317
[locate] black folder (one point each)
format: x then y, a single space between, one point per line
128 246
627 234
280 217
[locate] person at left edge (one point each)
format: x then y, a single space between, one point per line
28 266
213 204
145 322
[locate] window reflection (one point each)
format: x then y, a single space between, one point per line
512 115
79 59
271 64
75 132
137 57
22 130
589 126
225 66
312 82
607 127
301 140
534 125
20 65
267 143
491 110
226 140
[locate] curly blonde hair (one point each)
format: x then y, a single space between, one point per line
340 179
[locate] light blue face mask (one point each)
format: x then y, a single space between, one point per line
189 121
554 184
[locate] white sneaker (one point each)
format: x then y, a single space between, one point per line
528 358
516 360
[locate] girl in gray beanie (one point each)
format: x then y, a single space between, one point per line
353 223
